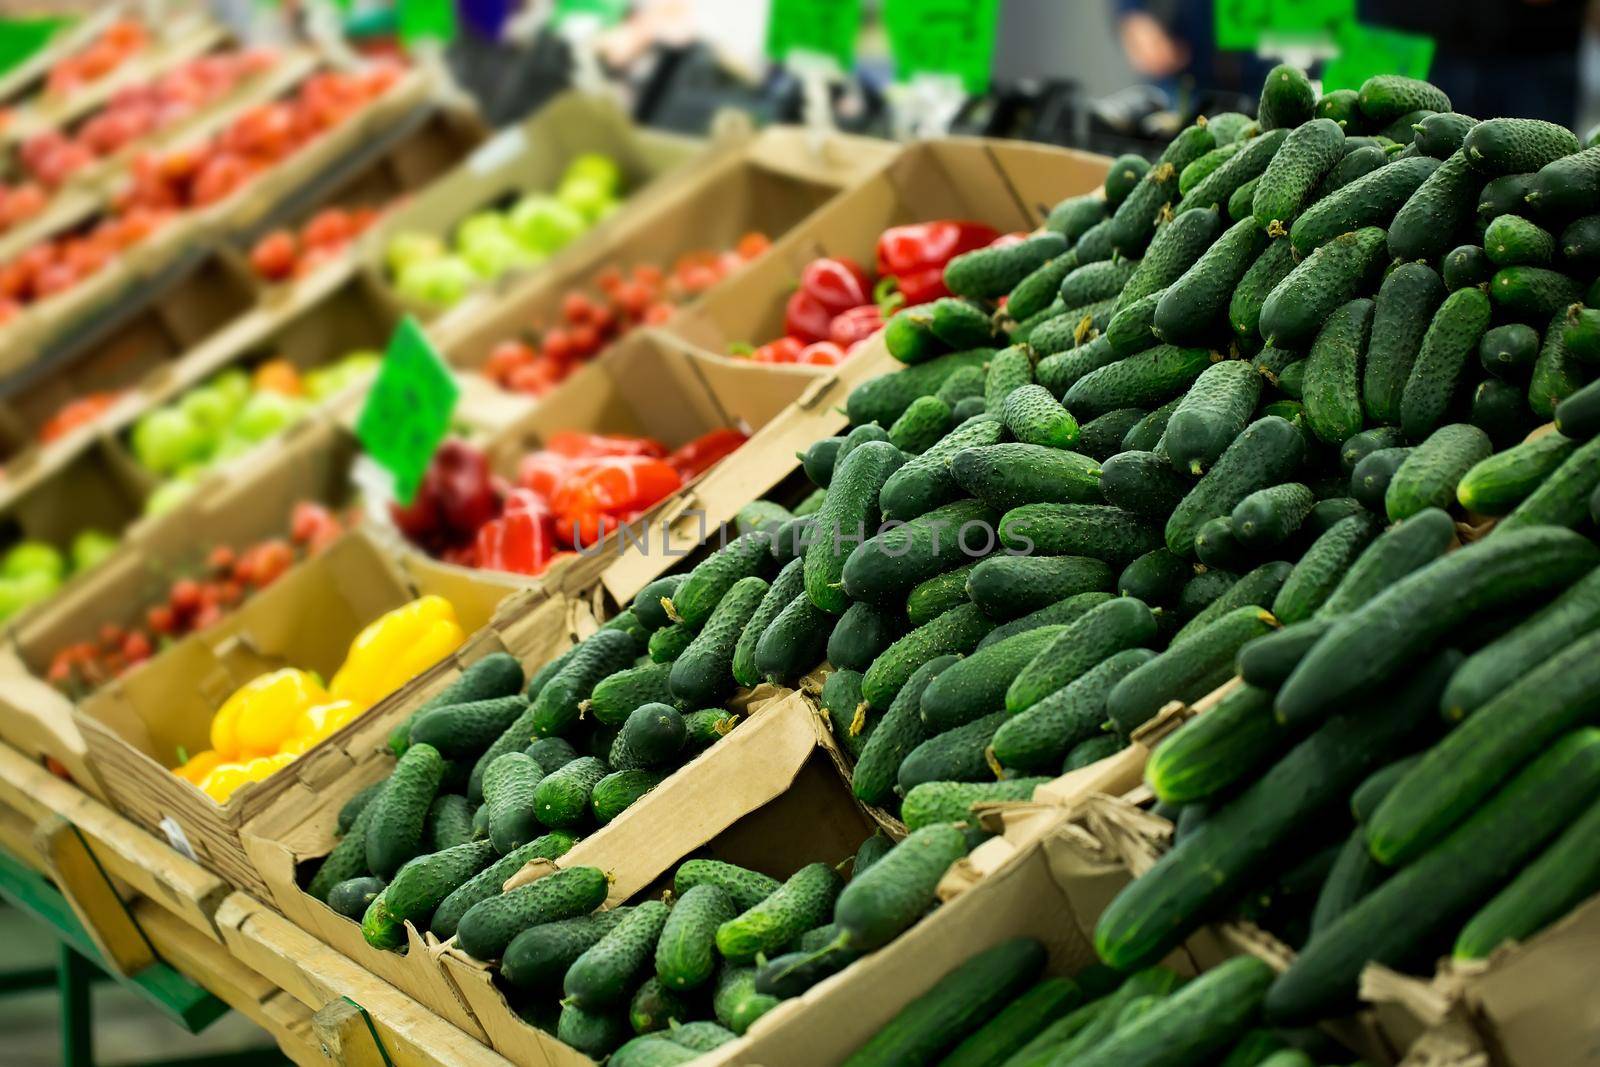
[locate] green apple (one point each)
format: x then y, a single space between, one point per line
336 377
167 438
33 557
266 413
491 257
585 196
90 547
232 445
209 407
545 224
602 170
479 225
168 495
410 247
234 384
439 282
25 591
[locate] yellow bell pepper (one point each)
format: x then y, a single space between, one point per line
395 648
258 718
318 721
227 778
198 766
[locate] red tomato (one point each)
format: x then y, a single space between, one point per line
273 256
328 227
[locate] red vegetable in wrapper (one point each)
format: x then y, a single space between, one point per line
914 256
570 494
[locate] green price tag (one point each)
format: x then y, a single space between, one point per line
605 12
407 412
1240 25
427 20
951 37
821 27
1368 50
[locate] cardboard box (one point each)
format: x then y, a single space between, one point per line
527 158
135 726
650 384
765 182
1007 184
788 807
1527 1005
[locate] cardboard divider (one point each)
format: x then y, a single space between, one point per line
530 157
649 384
767 183
135 726
27 78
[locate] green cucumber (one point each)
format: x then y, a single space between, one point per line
1266 452
898 733
1452 337
1005 587
1186 671
1236 844
1397 552
850 510
486 883
933 597
1323 567
1391 924
1562 877
957 631
800 903
1146 380
1155 578
794 642
736 1002
1104 630
1287 98
1408 619
1211 414
1509 351
1370 200
1557 372
789 584
1430 474
510 785
745 887
957 1005
538 957
1269 517
1333 274
885 567
703 673
1562 499
1512 240
1211 753
1308 154
987 273
881 902
1498 483
1009 475
560 702
1143 483
609 970
917 486
1426 223
1018 1023
1516 146
1258 588
861 635
1332 387
353 896
1498 665
1270 267
1370 480
1062 611
956 755
1194 301
1038 738
488 926
976 687
1243 170
1176 246
394 832
614 697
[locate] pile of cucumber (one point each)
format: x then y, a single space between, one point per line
1234 415
995 1010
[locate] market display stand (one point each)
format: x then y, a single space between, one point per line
122 902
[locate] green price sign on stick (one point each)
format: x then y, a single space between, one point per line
604 12
1368 50
819 27
426 20
1242 25
408 410
948 37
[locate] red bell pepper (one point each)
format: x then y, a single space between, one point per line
838 284
914 256
614 484
577 444
805 317
857 324
544 472
519 542
693 459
